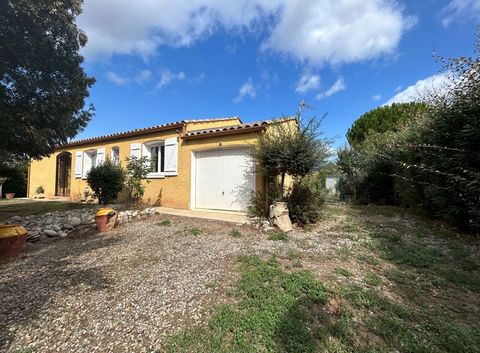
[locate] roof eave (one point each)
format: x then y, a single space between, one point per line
223 133
95 140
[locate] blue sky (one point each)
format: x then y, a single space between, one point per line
162 61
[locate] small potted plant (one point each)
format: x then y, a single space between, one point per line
10 195
40 193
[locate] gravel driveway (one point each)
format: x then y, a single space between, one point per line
127 291
118 293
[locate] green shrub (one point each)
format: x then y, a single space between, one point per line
304 204
106 181
137 171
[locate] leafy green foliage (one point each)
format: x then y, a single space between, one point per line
293 149
304 203
15 175
137 171
431 162
383 119
106 180
43 85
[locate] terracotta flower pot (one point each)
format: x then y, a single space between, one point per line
9 195
12 239
106 219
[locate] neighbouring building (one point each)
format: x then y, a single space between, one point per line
197 164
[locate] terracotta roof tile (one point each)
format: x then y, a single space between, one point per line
140 131
258 125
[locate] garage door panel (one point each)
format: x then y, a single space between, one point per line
224 179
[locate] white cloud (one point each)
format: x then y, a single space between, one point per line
313 31
461 10
376 97
143 76
117 79
436 83
247 89
168 76
338 86
307 82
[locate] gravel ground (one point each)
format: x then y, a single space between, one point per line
126 291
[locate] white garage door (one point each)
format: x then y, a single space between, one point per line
223 179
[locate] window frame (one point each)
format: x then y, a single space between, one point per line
147 149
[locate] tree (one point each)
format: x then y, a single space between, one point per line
43 86
383 119
292 149
106 180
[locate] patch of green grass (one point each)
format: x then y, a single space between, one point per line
461 277
372 279
277 312
369 259
164 223
343 272
278 236
195 231
235 233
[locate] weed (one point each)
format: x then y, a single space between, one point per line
235 233
343 272
372 279
164 223
195 231
278 236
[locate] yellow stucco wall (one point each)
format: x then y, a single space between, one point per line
171 191
199 125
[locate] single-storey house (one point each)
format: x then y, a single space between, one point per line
197 164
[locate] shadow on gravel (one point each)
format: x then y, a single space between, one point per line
28 285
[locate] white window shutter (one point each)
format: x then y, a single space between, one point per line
135 150
87 164
171 156
147 154
78 164
100 155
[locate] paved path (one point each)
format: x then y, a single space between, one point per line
231 217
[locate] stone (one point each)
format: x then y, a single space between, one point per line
16 218
57 228
50 233
280 216
62 234
135 214
67 226
75 221
49 220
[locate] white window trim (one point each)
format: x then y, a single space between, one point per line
87 154
146 153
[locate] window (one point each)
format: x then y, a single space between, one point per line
91 159
155 153
157 159
115 155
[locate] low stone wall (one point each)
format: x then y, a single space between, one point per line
64 223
